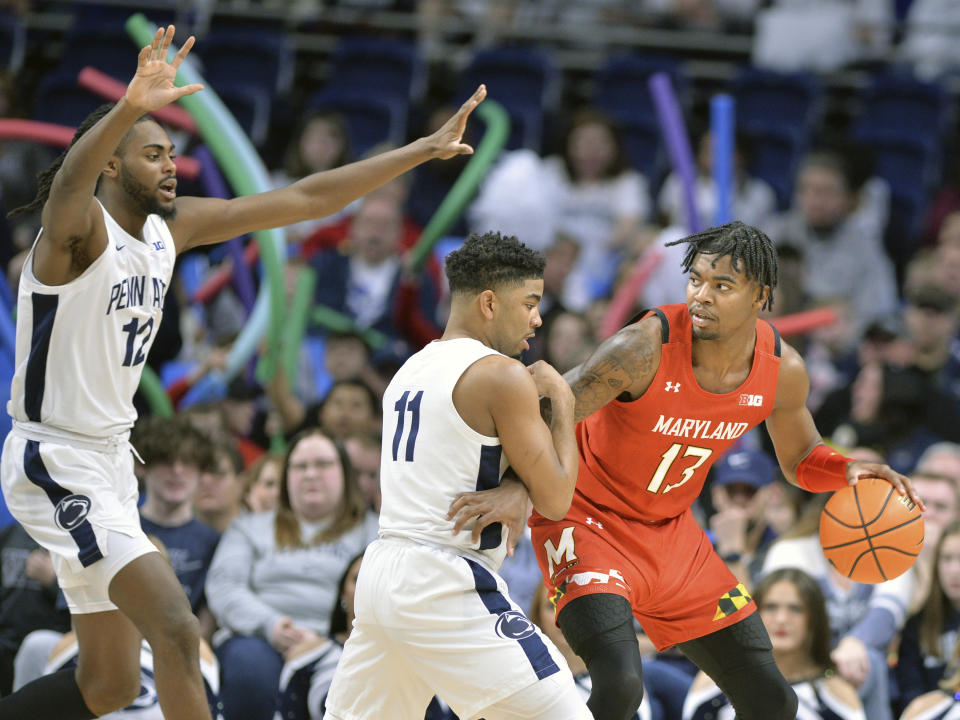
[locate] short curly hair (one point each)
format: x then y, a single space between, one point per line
492 260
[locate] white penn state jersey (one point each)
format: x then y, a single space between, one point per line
81 346
430 454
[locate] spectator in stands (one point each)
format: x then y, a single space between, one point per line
930 636
792 608
174 453
219 496
271 585
743 482
361 279
351 406
364 451
754 201
929 43
932 319
28 597
601 202
942 458
863 618
838 231
322 142
261 482
941 495
569 341
942 703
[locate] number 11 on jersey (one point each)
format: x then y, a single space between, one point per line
402 406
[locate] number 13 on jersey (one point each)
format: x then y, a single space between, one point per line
669 457
404 405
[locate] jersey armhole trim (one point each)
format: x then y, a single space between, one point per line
664 323
776 340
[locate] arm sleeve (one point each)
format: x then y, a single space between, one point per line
229 595
887 611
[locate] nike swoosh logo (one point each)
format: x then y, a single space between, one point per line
120 247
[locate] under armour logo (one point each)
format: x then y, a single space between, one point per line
591 521
672 387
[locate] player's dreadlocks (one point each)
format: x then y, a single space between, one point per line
740 242
45 178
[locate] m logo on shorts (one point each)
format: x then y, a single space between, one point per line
514 625
71 511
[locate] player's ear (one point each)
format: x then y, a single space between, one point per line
762 295
112 168
488 303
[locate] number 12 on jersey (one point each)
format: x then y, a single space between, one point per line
402 406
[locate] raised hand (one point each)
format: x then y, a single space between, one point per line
152 86
447 141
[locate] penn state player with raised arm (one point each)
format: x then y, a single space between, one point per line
431 614
90 300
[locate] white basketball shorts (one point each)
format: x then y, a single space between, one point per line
431 622
78 500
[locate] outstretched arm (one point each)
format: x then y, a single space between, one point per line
201 221
623 363
69 214
804 458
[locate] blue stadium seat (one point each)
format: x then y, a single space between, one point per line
904 227
522 79
250 105
370 119
59 99
642 141
905 162
768 100
775 157
263 59
389 68
899 104
109 51
13 41
622 90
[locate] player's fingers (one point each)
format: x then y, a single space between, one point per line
143 55
183 51
479 94
188 90
913 494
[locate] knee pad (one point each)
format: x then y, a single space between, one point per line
593 621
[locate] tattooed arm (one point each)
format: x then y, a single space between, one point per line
623 364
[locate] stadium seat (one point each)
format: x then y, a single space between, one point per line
522 79
13 39
642 141
263 59
898 104
775 101
775 157
59 99
250 105
389 68
370 119
622 89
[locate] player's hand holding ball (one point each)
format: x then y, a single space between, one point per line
871 533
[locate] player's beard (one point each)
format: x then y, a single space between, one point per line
145 199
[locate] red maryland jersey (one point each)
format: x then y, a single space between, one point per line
647 459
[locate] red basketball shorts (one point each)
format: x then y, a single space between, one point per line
678 587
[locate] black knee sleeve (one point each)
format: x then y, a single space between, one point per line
740 661
599 628
51 697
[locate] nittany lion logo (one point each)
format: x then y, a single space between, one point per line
71 511
514 625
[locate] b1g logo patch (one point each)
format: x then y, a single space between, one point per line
71 511
514 625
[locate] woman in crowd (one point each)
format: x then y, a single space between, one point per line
793 611
272 583
929 636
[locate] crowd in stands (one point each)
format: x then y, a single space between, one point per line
264 495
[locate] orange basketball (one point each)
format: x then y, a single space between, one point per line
870 532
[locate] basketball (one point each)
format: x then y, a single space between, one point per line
870 532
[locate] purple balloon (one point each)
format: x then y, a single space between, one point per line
678 145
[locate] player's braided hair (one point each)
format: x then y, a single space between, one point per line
45 177
741 242
491 260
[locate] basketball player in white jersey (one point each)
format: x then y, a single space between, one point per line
89 304
432 615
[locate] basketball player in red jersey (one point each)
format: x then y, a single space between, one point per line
659 402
